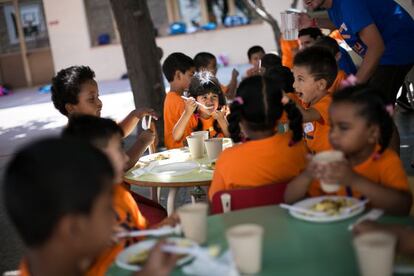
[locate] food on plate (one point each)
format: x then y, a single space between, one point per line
139 258
212 166
161 156
331 206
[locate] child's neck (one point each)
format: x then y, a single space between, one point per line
318 96
362 155
46 262
258 135
176 88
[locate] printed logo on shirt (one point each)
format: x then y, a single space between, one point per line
308 127
353 40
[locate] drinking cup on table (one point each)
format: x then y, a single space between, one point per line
214 147
246 243
193 219
196 146
375 253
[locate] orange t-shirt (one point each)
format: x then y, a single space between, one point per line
337 83
387 170
208 124
260 162
174 107
129 217
24 268
317 132
289 49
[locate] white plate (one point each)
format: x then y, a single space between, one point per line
124 256
308 203
173 169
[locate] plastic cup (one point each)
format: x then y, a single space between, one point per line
289 25
196 146
193 219
246 242
226 202
375 253
214 147
326 157
203 133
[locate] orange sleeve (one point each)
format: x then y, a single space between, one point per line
173 108
392 173
289 49
323 109
337 83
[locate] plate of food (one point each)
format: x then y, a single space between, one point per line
209 167
134 257
174 169
335 207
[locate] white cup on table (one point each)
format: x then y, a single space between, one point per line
375 253
196 146
246 245
326 157
214 147
193 218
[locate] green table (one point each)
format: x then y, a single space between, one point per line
292 247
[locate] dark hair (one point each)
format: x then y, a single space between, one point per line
313 32
253 50
92 129
204 82
260 106
328 43
176 62
271 60
284 75
320 63
370 106
202 60
49 179
66 86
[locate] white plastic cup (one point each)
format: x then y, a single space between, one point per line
196 146
289 25
203 133
193 219
214 147
326 157
375 253
226 202
246 243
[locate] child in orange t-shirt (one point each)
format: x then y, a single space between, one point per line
254 54
106 135
265 156
204 89
178 69
314 70
75 92
205 61
361 129
331 45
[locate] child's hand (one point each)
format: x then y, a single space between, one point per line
172 221
144 111
115 231
147 137
337 172
305 21
190 106
252 72
159 263
219 116
234 73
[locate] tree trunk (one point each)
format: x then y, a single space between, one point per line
141 55
258 8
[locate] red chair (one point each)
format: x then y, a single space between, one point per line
250 197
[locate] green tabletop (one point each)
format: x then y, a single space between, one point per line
291 246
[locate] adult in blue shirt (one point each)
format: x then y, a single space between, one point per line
380 31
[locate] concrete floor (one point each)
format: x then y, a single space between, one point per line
26 115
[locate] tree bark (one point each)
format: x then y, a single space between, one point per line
258 8
141 55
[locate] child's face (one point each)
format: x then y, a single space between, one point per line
349 131
185 78
254 58
88 100
209 99
117 156
305 41
97 226
306 87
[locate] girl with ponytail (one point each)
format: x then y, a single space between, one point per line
264 156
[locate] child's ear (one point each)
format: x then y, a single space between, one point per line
72 228
70 108
322 84
374 134
178 75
